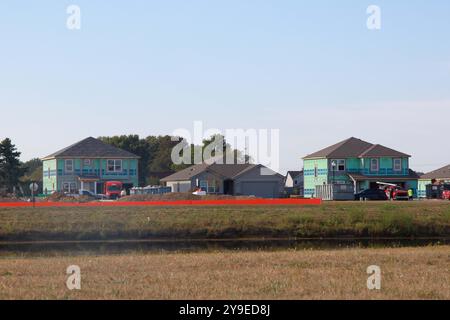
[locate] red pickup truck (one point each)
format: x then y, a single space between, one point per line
113 189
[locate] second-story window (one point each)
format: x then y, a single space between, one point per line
398 164
316 171
68 165
374 165
338 164
114 165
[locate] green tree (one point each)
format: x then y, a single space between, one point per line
33 173
227 151
10 166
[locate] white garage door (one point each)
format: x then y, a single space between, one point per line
260 189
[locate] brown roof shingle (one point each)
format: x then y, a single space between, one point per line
92 148
355 148
442 173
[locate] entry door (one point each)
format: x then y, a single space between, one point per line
89 186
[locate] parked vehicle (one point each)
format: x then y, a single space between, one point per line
113 189
199 192
400 194
446 192
394 191
372 194
91 194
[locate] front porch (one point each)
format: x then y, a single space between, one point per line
89 184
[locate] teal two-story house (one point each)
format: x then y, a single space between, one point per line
87 165
360 163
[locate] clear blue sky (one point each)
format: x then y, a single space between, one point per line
310 68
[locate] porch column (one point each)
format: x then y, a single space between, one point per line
95 187
82 185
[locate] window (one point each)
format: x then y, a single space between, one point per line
208 186
68 165
374 165
339 165
212 187
398 164
204 185
48 173
69 187
114 165
87 162
316 171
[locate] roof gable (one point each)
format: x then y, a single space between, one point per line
442 173
92 148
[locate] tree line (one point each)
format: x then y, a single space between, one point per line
155 153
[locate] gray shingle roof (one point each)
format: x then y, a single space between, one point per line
294 174
92 148
231 170
442 173
187 174
227 171
355 148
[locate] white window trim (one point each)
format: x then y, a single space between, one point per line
114 160
337 164
65 165
401 165
203 184
378 165
69 189
209 186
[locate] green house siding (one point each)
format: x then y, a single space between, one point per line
49 175
422 187
386 167
315 173
353 163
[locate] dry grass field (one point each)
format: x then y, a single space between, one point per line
407 273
